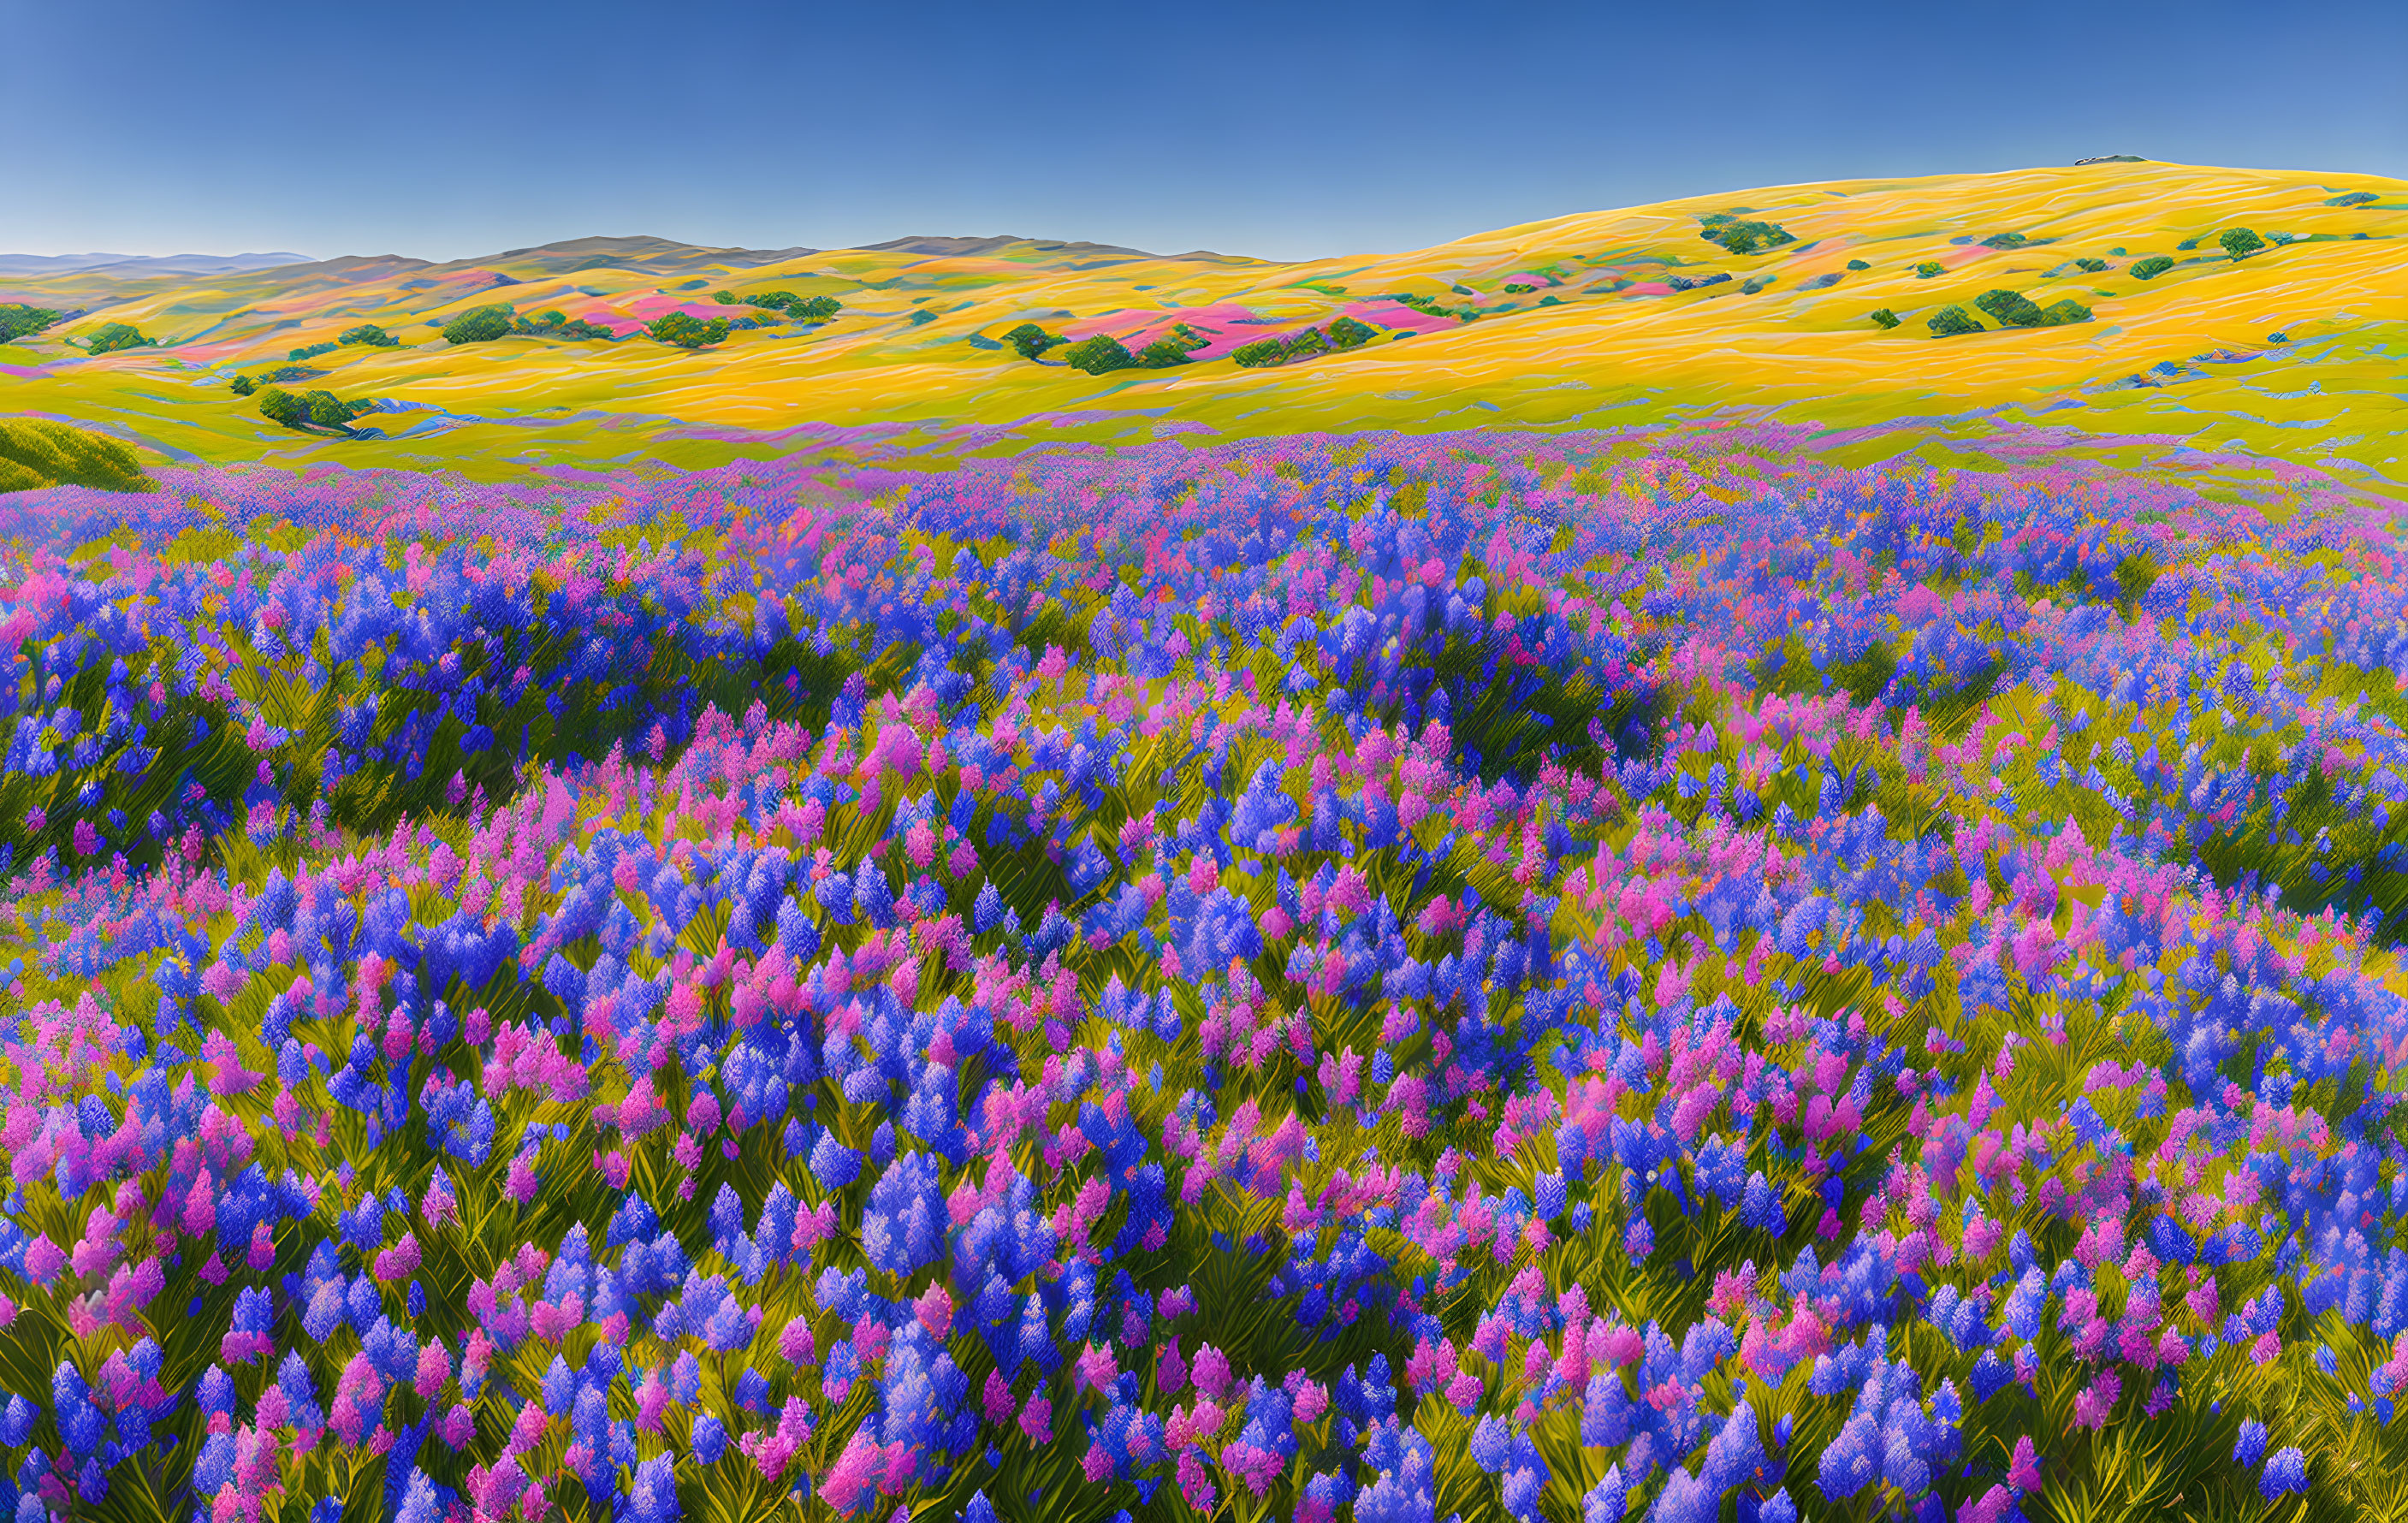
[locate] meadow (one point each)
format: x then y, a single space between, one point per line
1672 972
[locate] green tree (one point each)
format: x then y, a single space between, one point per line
310 351
922 315
2093 267
1099 355
17 320
481 324
1950 321
1161 355
328 410
278 405
36 453
2059 313
685 331
2240 242
816 310
724 298
2151 268
1259 354
1883 316
2011 309
1929 269
111 336
1032 340
1346 333
370 334
1310 342
1858 264
241 386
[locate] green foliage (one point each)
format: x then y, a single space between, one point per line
813 309
328 410
17 320
816 310
683 330
2353 198
2240 242
1032 340
1161 355
2005 240
2059 313
481 324
241 386
310 351
726 298
1951 321
278 405
1428 308
2094 266
1744 237
111 336
556 325
370 334
39 453
2151 268
1883 317
1098 355
322 409
1929 269
1188 339
1858 264
1346 333
2011 309
1261 352
1307 344
1520 290
922 315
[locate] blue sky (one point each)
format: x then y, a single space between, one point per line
447 130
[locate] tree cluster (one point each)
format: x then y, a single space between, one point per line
1428 308
307 410
310 351
1742 238
2240 242
2151 268
481 324
1344 334
111 336
1031 340
367 333
557 325
1929 269
801 309
17 320
683 330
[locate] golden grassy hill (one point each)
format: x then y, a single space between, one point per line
1577 323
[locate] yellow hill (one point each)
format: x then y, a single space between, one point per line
1576 323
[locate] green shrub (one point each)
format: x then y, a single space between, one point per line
1306 344
1858 264
1188 339
2005 240
922 315
1098 355
1950 321
2095 266
1261 352
683 330
1744 237
111 336
1883 317
1346 333
1929 269
724 298
815 309
1161 355
278 405
17 320
556 325
2011 309
370 334
38 452
2059 313
2151 268
481 324
241 386
2240 242
1520 290
1032 340
328 410
310 351
2353 198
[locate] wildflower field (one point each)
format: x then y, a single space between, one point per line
1363 978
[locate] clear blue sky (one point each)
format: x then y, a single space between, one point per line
447 130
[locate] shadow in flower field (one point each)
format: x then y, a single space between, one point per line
1593 976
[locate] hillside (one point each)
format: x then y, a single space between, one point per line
1603 318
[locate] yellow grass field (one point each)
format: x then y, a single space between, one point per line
1592 335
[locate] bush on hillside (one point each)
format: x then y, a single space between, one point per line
2059 313
310 351
241 386
2094 266
278 405
111 336
556 325
2005 240
1161 355
322 409
1520 290
1098 355
1429 308
2151 268
17 320
1305 345
2240 242
1031 340
1929 269
2353 198
922 315
1951 321
1261 352
38 452
370 334
1744 237
481 324
2011 309
1346 333
1883 317
1858 264
684 330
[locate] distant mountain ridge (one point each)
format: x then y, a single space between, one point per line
185 264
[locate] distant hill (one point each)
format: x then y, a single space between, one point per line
1009 245
143 264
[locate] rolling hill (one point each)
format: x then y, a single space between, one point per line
2293 351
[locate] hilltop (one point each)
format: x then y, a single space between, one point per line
1628 315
